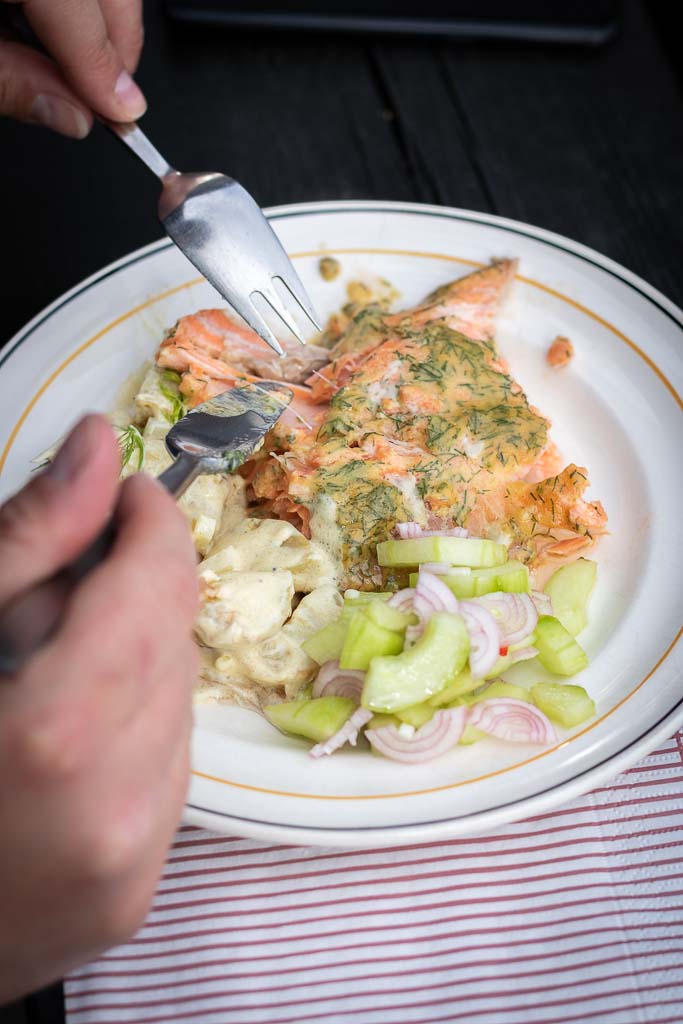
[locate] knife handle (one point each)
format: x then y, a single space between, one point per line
35 615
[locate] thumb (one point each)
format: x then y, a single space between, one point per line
77 35
55 517
32 89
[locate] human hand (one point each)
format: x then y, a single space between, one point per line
95 728
95 46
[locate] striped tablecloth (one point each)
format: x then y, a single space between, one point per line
571 916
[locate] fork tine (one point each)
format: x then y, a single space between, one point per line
298 293
247 310
270 296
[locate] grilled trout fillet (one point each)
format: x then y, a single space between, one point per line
411 416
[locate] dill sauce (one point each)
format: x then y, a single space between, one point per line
429 424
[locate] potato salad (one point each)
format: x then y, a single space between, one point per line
265 588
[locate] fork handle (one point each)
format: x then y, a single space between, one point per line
32 618
136 140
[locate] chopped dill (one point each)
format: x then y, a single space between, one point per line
168 385
131 446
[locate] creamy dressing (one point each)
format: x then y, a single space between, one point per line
458 428
381 389
407 485
387 387
325 528
472 449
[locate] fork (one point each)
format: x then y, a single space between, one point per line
215 222
219 227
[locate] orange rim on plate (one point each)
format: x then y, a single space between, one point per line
412 255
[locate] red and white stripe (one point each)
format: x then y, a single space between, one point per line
575 915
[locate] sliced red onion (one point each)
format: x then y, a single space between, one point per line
432 595
333 681
515 614
513 720
544 606
347 734
523 654
484 634
434 738
403 600
409 531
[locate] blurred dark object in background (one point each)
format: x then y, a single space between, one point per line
587 22
666 19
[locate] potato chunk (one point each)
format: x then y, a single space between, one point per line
244 607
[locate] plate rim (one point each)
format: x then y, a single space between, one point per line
489 818
364 837
628 277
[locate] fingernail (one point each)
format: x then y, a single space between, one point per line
75 453
129 96
60 115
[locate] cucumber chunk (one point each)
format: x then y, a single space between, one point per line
506 661
383 614
434 662
565 703
569 589
463 683
502 665
315 719
511 577
327 643
557 649
377 721
417 714
366 640
452 550
499 688
357 598
471 734
461 585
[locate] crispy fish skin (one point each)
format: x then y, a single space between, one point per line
469 304
548 517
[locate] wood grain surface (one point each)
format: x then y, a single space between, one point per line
586 142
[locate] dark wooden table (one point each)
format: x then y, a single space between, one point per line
588 143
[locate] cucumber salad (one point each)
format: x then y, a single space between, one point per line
418 671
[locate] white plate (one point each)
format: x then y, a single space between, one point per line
615 409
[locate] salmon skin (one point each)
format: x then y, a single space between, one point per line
411 416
